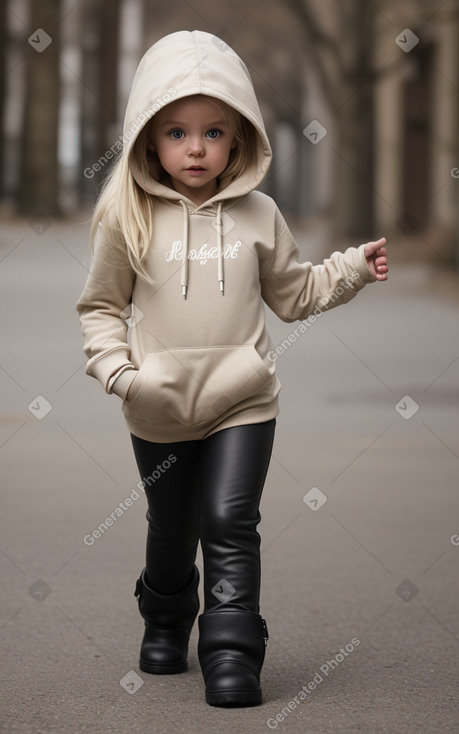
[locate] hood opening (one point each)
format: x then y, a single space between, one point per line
185 64
148 171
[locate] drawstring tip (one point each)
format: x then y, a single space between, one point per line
184 289
221 287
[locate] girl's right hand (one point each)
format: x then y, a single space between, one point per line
376 257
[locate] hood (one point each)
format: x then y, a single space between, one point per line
180 65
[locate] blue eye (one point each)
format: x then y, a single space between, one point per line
176 134
214 133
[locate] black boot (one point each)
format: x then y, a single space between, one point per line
168 623
231 652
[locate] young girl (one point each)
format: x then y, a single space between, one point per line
185 244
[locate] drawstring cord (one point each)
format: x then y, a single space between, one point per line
184 270
221 279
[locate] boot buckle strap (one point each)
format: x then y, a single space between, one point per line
138 587
264 628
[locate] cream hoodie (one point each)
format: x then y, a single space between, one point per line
188 367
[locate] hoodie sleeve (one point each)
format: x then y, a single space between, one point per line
294 290
101 308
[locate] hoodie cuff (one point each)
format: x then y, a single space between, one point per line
105 367
121 384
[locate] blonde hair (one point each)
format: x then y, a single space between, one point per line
125 209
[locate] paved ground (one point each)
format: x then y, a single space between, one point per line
360 591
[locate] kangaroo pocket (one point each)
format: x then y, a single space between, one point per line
195 385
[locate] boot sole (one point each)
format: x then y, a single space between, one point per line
228 699
162 669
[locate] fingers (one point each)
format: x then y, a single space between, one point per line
372 247
380 261
381 267
377 254
380 256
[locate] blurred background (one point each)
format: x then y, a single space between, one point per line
361 104
381 77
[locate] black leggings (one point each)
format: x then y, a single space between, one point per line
211 493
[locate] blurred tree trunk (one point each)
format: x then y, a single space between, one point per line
354 192
343 64
455 257
99 93
3 42
38 190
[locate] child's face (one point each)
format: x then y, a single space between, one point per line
193 142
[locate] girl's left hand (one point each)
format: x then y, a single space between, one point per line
375 254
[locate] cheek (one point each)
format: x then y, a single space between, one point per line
166 152
172 160
173 154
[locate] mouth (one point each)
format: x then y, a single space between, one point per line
195 168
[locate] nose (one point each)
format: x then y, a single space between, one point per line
196 146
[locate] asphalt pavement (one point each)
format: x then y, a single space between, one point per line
360 520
